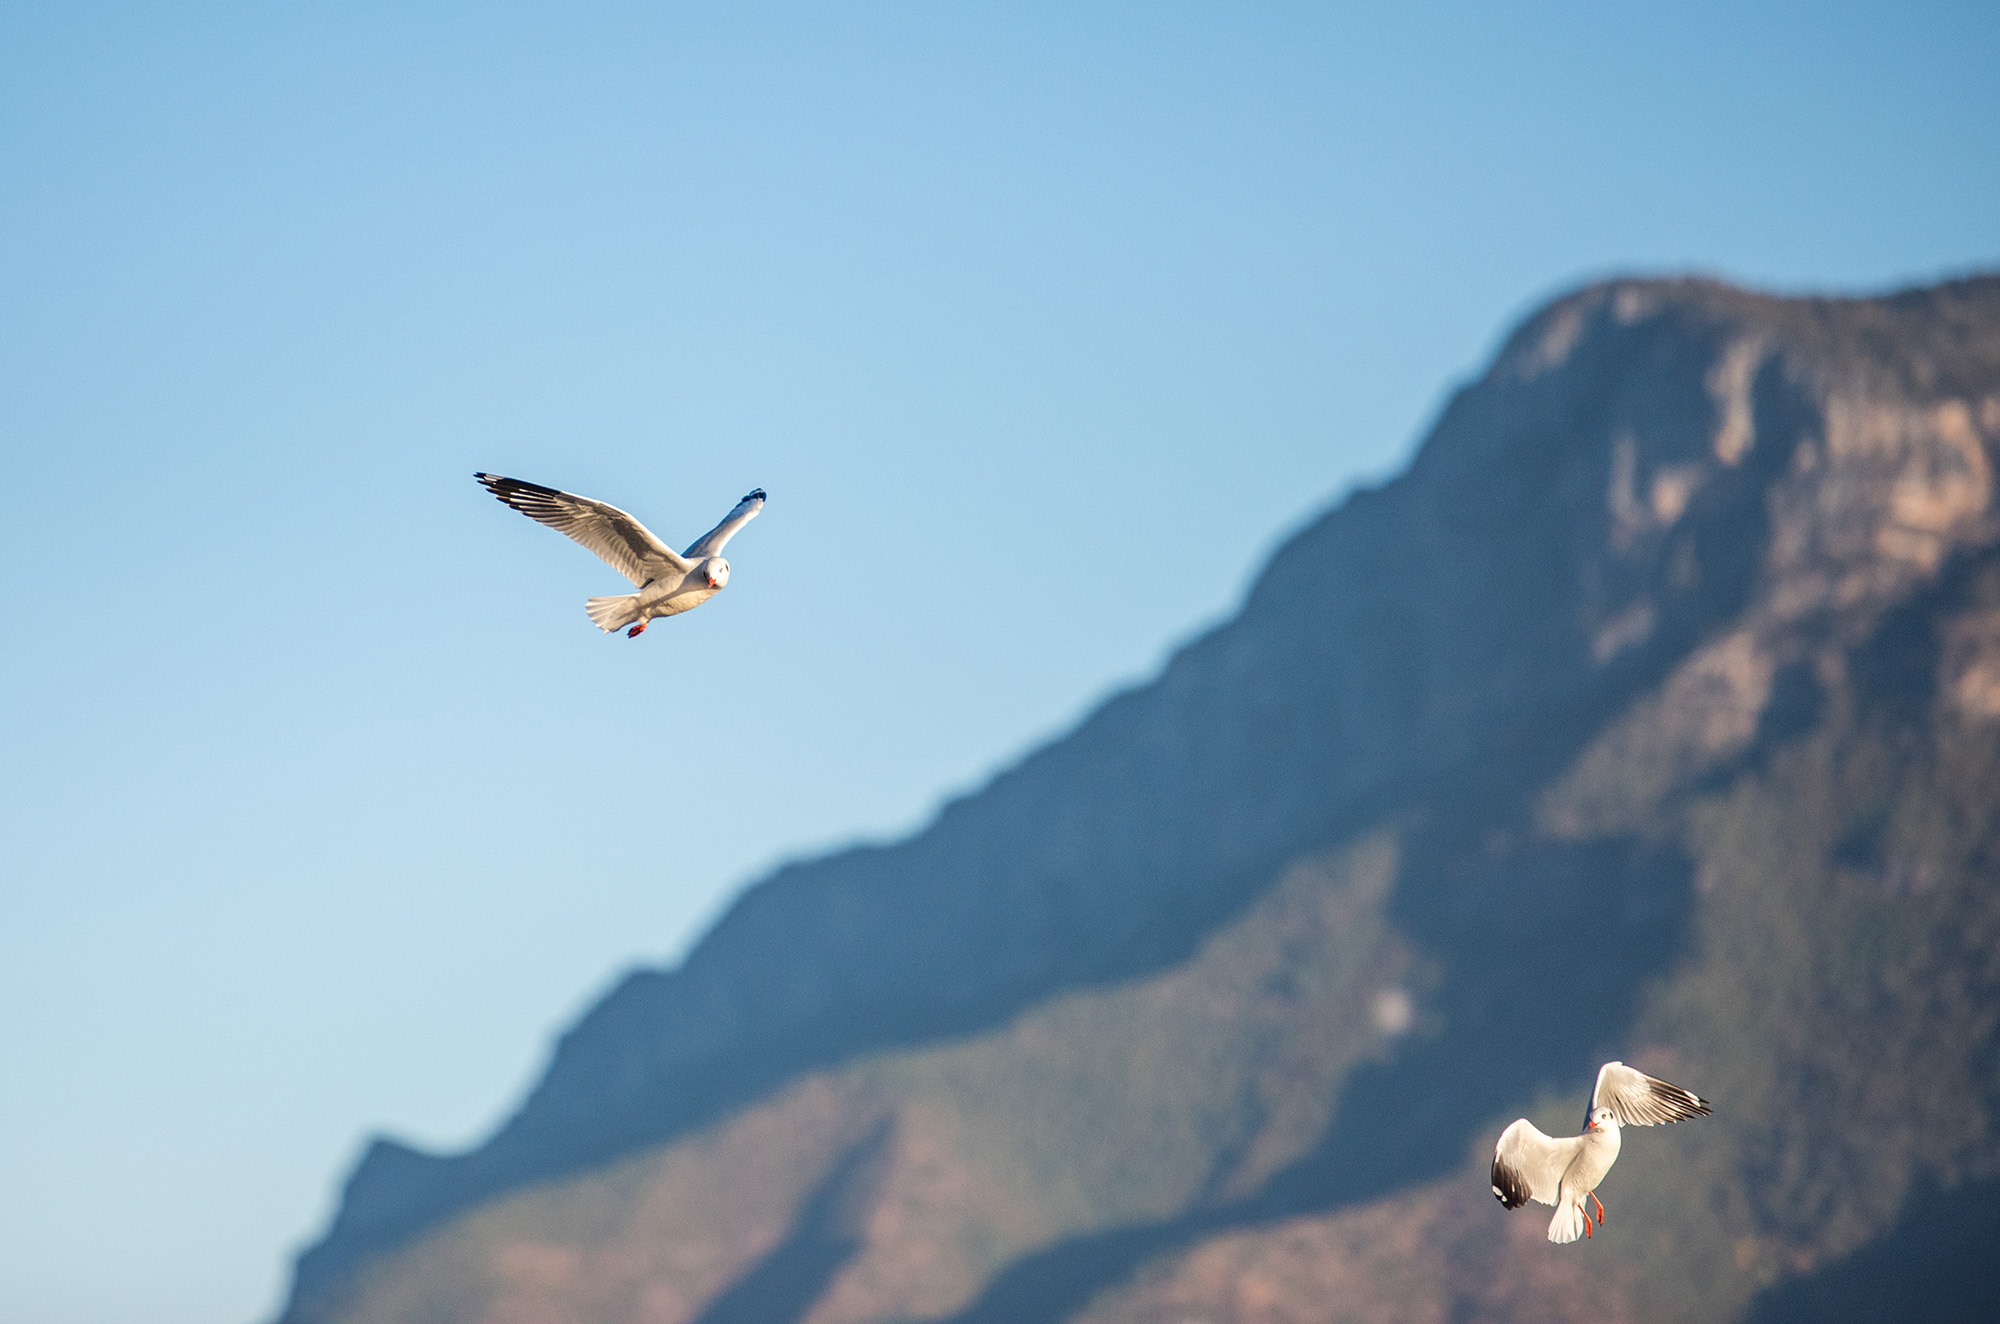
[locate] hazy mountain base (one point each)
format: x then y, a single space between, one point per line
1096 1110
1837 981
1725 813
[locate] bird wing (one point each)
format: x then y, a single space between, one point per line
710 543
625 544
1641 1100
1528 1165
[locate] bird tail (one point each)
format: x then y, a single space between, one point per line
611 614
1567 1225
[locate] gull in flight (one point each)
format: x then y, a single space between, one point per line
1528 1165
669 583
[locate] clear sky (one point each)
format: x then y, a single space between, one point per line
322 805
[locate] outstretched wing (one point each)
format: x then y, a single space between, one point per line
625 544
1641 1100
710 543
1528 1165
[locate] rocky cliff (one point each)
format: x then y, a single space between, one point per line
1653 713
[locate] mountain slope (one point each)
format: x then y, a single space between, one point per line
1652 714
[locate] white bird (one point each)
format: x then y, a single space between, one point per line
1528 1165
669 583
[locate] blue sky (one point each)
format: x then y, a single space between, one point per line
324 807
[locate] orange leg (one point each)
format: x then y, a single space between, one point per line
636 630
1600 1208
1586 1222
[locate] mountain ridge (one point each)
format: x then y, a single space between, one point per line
1604 578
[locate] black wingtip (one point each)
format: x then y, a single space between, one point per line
504 488
1680 1104
757 495
1508 1188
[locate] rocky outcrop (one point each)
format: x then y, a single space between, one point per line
1652 713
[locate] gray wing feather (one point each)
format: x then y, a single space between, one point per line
1642 1100
625 544
710 543
1528 1165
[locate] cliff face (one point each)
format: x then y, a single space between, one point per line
1654 713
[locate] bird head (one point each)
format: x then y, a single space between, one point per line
716 571
1601 1119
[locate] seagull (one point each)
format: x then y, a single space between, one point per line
1528 1165
669 584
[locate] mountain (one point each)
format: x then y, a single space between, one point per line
1653 713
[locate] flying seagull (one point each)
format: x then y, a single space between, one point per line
1528 1165
669 584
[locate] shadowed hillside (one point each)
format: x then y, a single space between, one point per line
1653 713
